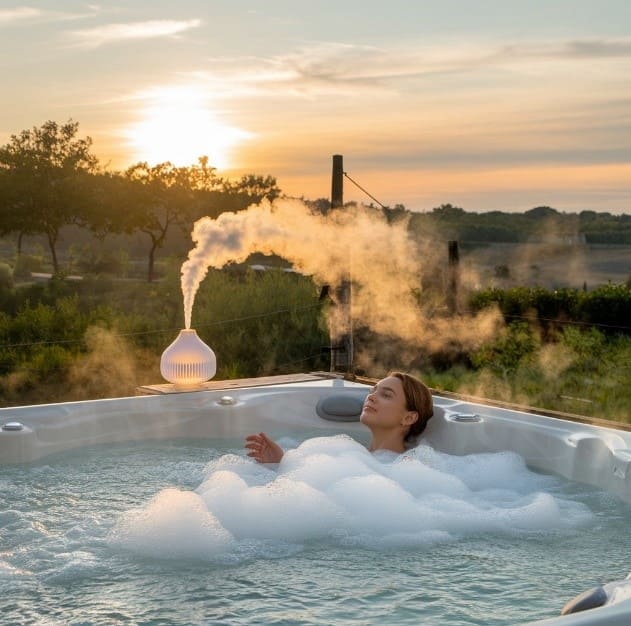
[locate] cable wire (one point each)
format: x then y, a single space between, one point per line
566 322
366 192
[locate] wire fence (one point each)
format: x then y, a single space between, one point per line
562 322
292 311
164 331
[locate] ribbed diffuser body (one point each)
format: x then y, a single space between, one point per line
188 361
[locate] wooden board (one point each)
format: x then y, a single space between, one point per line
214 385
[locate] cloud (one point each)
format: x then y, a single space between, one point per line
367 65
571 50
599 49
110 33
332 68
25 14
324 69
9 16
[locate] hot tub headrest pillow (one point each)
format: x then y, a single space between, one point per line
340 408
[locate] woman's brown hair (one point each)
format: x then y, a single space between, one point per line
417 398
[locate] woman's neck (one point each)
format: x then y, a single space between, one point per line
387 441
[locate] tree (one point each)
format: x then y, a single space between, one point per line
253 188
540 212
448 212
210 197
45 182
203 177
154 199
159 198
396 214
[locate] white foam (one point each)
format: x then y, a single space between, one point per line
174 524
333 489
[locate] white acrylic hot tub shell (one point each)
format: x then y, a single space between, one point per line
582 452
595 455
55 428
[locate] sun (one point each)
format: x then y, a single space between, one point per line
177 126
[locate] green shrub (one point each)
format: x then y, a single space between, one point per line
506 353
262 322
50 361
608 305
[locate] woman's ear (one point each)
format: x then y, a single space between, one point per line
410 418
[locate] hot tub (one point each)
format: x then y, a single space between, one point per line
342 578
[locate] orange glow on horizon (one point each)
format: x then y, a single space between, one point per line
301 164
526 186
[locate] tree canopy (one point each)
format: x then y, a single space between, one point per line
44 181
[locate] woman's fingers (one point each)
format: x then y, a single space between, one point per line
258 438
255 441
263 449
254 445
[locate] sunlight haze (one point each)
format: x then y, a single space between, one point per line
485 104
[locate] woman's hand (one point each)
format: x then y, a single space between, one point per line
262 449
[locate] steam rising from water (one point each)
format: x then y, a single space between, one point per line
332 489
385 264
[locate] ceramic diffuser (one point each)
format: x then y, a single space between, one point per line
188 361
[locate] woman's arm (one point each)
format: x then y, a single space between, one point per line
263 449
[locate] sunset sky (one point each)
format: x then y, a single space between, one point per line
486 104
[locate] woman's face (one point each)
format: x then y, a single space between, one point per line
385 405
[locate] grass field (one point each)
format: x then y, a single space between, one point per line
546 265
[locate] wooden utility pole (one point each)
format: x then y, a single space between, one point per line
341 326
337 182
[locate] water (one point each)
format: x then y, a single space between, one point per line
82 541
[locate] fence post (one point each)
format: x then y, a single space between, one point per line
453 277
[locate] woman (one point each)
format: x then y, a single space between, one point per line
396 410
